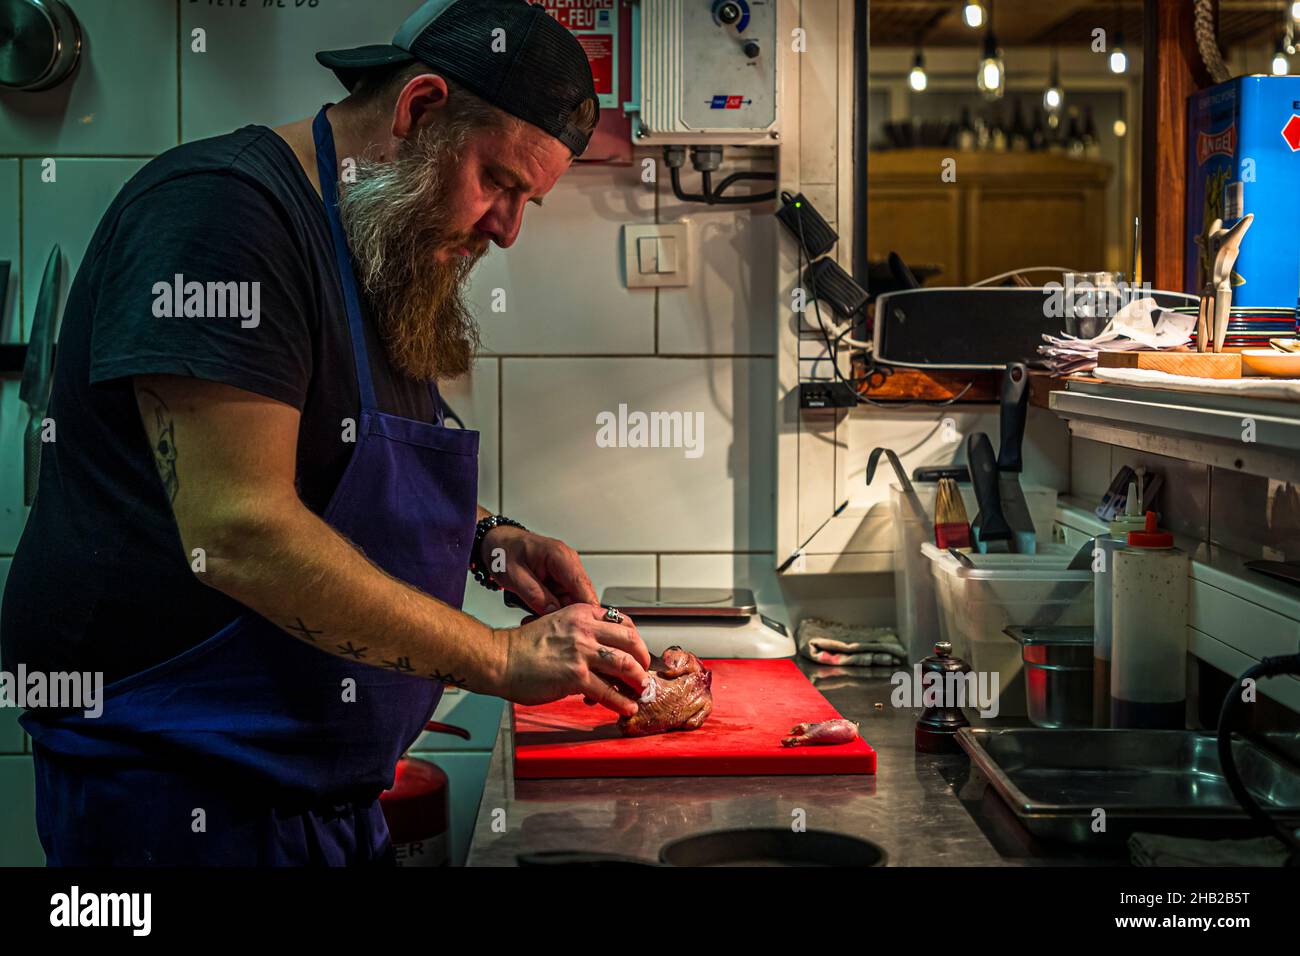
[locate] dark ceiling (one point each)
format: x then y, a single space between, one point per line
1055 22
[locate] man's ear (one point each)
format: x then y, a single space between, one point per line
418 103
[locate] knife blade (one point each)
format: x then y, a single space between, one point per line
989 525
1015 407
34 389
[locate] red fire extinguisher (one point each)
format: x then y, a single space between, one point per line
417 808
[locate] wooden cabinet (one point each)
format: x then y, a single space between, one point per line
1003 211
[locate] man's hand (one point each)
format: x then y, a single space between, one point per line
575 651
545 572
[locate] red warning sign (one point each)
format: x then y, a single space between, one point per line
599 48
580 15
595 24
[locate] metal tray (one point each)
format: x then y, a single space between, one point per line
1161 780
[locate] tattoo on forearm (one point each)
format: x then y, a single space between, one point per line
302 630
402 665
448 679
162 438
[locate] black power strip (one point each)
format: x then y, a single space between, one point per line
809 228
826 395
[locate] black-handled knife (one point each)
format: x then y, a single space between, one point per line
1015 408
989 525
38 371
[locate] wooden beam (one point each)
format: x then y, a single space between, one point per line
1172 71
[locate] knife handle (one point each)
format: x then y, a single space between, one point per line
1015 407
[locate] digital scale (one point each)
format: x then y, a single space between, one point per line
708 622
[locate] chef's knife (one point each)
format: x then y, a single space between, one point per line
989 525
34 389
1015 406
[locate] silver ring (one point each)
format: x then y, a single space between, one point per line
613 615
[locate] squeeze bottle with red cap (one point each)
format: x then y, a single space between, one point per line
1148 668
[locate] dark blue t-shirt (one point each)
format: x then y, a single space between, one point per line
100 580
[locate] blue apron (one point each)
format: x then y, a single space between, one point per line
253 747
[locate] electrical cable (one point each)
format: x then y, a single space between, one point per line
873 368
1268 667
1016 272
711 196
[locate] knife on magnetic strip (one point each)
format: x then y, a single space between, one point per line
1015 406
38 371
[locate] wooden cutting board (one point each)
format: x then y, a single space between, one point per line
755 703
1196 364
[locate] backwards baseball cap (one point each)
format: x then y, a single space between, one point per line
510 53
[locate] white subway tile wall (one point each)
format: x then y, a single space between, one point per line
560 289
122 98
715 495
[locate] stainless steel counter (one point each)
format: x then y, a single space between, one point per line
924 810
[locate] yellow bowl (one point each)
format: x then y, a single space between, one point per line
1271 362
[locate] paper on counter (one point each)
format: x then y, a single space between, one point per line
1139 325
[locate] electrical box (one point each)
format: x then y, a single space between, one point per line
705 72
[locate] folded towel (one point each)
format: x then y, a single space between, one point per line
1156 849
849 645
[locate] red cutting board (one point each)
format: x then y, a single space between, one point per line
755 703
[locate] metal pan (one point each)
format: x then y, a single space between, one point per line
1166 781
40 44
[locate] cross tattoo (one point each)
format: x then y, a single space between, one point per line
402 664
448 679
306 631
347 650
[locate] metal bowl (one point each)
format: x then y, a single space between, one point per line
40 44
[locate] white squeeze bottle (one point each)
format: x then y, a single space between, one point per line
1104 548
1148 668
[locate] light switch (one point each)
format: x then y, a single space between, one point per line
657 254
667 263
647 255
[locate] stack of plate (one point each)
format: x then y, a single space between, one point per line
1252 327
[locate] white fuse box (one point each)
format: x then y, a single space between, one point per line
706 72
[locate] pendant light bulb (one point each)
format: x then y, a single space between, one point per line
917 79
992 75
973 14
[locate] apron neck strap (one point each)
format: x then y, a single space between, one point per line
327 166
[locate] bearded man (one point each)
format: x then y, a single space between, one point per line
253 521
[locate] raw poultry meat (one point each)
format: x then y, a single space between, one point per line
826 732
678 697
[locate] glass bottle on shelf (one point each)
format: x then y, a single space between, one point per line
1038 135
1073 137
967 138
1018 138
1091 142
998 139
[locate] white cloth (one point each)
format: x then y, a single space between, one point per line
1284 388
830 642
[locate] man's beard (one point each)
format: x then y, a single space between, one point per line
394 214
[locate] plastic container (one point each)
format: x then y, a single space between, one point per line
977 604
1148 675
915 603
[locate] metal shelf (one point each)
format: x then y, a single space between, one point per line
1250 435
